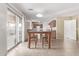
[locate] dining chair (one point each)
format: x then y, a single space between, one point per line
44 39
34 37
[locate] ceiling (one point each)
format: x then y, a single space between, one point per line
48 10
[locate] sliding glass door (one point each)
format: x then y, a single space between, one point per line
14 29
20 29
11 30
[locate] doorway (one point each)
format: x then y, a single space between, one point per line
70 29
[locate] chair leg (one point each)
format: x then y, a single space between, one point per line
42 43
36 43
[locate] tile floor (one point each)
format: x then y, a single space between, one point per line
58 48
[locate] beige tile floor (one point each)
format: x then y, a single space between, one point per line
59 48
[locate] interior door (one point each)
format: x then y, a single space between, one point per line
70 29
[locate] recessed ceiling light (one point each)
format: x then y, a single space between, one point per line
39 15
30 9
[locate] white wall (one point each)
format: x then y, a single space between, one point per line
60 28
3 44
26 26
78 28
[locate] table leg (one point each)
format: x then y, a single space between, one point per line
49 41
29 40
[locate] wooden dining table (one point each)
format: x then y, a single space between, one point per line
34 31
